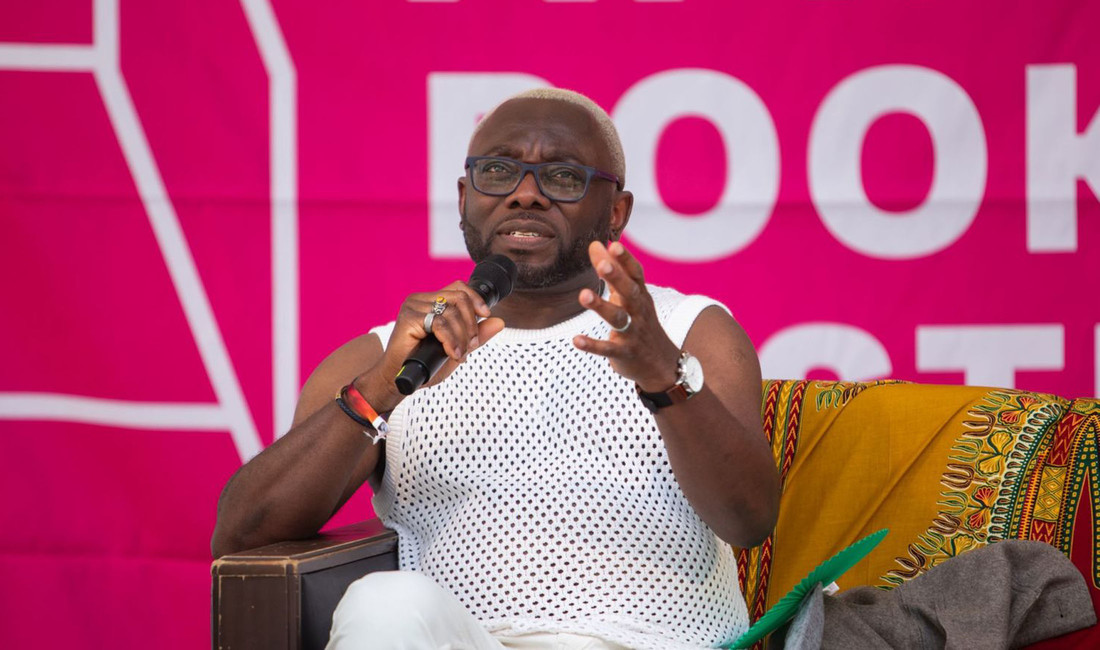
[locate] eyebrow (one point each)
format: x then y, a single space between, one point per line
553 155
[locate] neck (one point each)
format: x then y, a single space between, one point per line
541 308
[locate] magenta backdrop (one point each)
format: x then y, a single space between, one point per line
875 188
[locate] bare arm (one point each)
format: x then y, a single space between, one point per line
294 486
715 442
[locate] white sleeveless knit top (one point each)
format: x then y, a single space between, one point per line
534 485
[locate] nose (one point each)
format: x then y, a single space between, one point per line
527 193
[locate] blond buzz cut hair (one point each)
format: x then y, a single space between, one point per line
608 133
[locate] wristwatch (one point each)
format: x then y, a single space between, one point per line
688 382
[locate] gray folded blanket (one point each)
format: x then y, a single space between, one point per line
1005 595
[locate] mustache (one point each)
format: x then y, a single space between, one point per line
526 215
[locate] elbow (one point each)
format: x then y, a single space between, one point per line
768 514
762 529
757 520
217 550
233 536
220 539
771 514
257 529
753 531
222 544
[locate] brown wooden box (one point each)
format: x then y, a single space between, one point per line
281 597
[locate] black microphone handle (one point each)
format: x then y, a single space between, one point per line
492 279
426 359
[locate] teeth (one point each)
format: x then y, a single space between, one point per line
518 233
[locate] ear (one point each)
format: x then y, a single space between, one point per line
620 213
461 199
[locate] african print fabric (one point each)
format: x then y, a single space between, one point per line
946 468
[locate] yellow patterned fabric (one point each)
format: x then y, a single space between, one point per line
945 468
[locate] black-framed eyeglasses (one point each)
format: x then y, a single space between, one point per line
558 181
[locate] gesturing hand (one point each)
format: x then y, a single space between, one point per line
637 347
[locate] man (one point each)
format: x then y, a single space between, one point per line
574 474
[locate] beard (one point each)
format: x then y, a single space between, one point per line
572 259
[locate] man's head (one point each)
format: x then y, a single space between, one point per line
608 134
547 236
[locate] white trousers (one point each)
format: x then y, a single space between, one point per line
405 610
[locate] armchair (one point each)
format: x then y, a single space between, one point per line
281 596
946 468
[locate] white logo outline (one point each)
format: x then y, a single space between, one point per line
231 411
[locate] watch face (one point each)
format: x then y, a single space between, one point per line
692 373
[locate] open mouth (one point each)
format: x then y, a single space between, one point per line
525 231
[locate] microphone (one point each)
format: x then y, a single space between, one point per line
492 279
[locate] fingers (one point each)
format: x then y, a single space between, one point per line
629 263
456 325
597 346
615 315
637 347
623 274
476 302
459 295
620 270
486 330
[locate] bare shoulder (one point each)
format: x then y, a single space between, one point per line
716 333
729 360
338 368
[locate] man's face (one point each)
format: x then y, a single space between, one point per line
547 240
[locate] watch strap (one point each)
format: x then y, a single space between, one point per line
657 401
678 392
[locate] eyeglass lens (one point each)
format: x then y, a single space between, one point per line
559 181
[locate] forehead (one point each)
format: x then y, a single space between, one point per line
545 129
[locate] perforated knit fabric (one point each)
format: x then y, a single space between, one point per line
534 485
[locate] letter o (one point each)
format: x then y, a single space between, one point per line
852 353
836 147
752 176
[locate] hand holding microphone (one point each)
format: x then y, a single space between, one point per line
492 280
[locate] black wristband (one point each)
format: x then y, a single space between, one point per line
360 420
653 401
